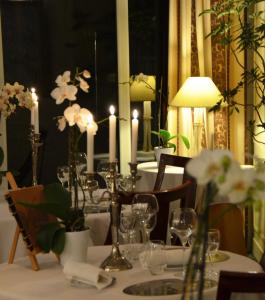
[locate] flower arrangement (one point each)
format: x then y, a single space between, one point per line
223 176
12 96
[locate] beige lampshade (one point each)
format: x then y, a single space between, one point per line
197 92
143 91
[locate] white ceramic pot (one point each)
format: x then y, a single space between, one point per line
76 244
159 150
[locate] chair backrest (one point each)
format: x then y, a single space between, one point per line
228 218
239 282
164 198
11 181
169 160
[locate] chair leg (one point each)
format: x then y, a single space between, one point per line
34 262
14 246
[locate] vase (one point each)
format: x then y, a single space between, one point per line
159 150
76 244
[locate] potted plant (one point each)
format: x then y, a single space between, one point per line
165 146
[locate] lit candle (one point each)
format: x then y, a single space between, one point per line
112 135
35 111
90 144
135 123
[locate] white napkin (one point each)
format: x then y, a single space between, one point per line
84 274
175 256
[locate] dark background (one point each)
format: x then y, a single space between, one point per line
43 38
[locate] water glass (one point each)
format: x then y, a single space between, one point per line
63 175
213 243
154 258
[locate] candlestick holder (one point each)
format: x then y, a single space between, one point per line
134 176
89 184
35 144
115 261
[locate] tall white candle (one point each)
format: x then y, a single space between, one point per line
90 144
35 111
112 135
135 124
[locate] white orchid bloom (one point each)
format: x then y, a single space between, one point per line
62 80
209 165
61 123
86 74
18 88
84 86
237 184
83 119
9 90
71 114
64 92
259 191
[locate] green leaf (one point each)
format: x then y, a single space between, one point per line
1 156
172 137
185 140
58 242
45 236
164 134
155 132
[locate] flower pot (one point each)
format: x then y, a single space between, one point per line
159 150
76 244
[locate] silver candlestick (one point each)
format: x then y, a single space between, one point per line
134 176
115 261
35 144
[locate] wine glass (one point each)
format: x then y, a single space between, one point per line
103 171
63 175
81 162
145 208
213 243
183 222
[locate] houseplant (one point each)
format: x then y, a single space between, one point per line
222 175
241 27
164 144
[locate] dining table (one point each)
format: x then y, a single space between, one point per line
20 282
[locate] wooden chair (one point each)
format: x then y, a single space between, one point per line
28 221
169 160
262 261
239 282
164 198
229 219
11 181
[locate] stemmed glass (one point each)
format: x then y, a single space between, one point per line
63 175
103 171
81 162
183 223
213 243
145 208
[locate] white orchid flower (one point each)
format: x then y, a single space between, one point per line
9 90
83 119
18 88
86 74
62 80
237 184
61 123
84 86
208 166
71 114
64 92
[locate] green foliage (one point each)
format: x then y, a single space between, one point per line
241 26
57 202
164 137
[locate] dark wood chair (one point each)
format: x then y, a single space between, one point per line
176 161
164 198
239 282
262 261
169 160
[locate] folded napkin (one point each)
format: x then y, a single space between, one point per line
84 274
175 256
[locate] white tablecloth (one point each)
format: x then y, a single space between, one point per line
19 282
148 172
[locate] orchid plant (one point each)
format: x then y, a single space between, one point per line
12 96
223 176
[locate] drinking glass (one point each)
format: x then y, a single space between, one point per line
154 258
103 171
145 208
63 175
183 222
213 243
81 162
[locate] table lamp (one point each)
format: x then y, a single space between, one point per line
197 92
144 91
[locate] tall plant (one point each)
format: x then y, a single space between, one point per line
241 26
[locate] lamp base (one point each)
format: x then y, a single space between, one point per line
115 261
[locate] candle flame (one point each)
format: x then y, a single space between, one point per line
89 119
33 90
112 110
34 95
135 114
